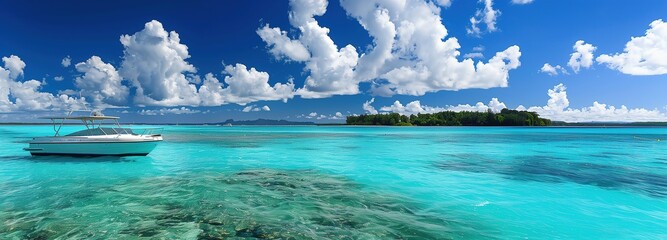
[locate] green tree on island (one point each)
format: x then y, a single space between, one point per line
506 117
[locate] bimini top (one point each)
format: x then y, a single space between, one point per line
86 118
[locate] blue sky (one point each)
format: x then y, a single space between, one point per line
220 35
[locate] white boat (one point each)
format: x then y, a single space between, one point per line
96 140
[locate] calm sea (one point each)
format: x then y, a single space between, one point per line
208 182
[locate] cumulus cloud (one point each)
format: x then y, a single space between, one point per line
582 57
476 52
15 66
26 95
193 78
419 58
100 82
552 70
281 46
645 55
444 3
521 1
165 111
410 53
330 68
494 105
243 86
211 91
415 107
557 109
58 78
473 55
66 61
315 115
155 62
487 15
369 108
254 108
250 108
249 85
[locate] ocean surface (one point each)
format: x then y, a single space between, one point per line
339 182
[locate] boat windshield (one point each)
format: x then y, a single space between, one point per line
101 131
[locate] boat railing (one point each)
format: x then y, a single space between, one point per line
148 131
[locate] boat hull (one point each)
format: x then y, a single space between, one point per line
138 148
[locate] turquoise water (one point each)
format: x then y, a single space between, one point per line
209 182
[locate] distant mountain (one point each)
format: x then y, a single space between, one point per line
265 122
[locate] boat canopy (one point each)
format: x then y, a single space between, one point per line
91 122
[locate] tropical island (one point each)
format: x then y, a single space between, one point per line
506 117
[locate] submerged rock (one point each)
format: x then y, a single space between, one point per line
264 204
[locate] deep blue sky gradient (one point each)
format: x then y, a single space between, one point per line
44 32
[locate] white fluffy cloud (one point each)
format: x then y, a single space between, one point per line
444 3
420 59
487 15
280 45
582 57
315 115
100 82
522 1
494 105
552 70
15 66
26 95
58 78
409 55
254 108
557 109
211 91
66 61
250 109
249 85
415 107
330 68
164 111
473 55
154 61
243 86
369 108
645 55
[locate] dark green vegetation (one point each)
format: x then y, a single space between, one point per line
506 117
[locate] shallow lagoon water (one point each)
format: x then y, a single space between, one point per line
210 182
